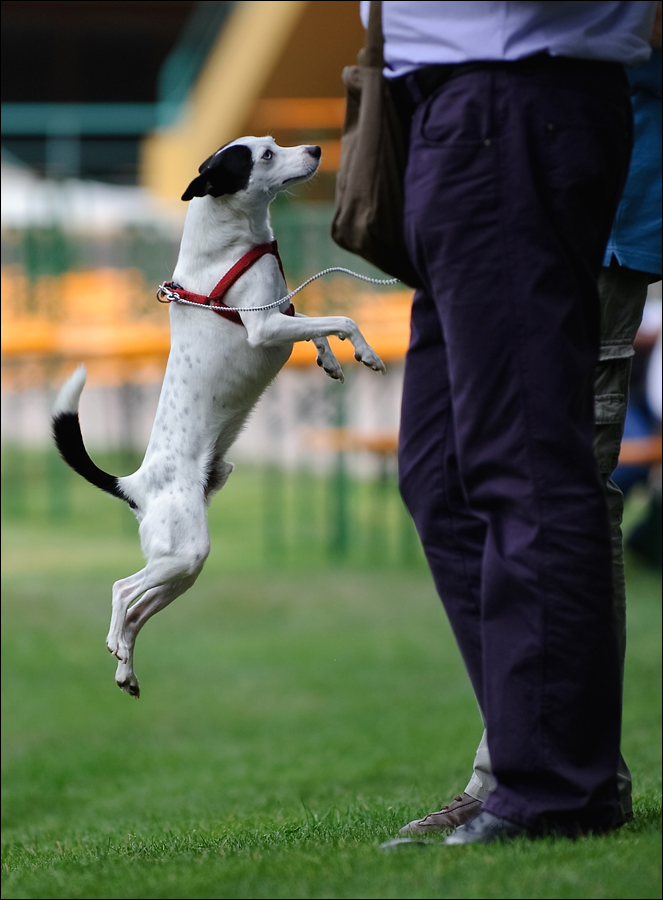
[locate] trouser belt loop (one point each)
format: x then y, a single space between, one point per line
429 78
413 90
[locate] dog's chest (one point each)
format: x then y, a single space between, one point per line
213 377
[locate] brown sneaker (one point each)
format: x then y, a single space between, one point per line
461 810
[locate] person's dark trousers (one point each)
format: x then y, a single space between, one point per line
514 175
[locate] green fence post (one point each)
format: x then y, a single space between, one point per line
273 514
306 519
378 525
339 538
58 489
14 494
129 456
58 473
14 475
274 483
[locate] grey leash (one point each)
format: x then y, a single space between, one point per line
175 298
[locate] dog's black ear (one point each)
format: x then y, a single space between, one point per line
225 172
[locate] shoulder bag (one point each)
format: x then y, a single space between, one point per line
368 215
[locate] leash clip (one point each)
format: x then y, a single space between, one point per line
165 290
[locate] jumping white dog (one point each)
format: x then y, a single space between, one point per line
218 367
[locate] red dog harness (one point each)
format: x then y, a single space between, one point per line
215 299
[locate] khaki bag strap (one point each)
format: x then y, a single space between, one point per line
373 54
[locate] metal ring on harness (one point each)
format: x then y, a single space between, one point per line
170 295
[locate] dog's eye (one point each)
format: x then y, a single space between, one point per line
267 154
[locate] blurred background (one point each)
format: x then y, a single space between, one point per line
108 108
310 676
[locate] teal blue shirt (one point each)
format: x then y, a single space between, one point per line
636 233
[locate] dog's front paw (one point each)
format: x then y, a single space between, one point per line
331 366
369 358
326 359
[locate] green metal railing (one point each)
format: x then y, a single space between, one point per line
287 517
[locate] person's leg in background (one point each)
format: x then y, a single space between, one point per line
623 293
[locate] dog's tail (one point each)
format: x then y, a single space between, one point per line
69 440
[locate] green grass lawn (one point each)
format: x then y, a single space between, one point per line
293 716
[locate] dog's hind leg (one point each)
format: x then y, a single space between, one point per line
125 677
152 602
173 571
125 592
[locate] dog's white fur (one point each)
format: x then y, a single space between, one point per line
215 374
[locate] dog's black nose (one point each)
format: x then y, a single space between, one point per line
315 152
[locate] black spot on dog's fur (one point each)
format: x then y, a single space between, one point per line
225 172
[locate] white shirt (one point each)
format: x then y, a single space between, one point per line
425 32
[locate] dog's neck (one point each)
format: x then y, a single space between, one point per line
218 232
